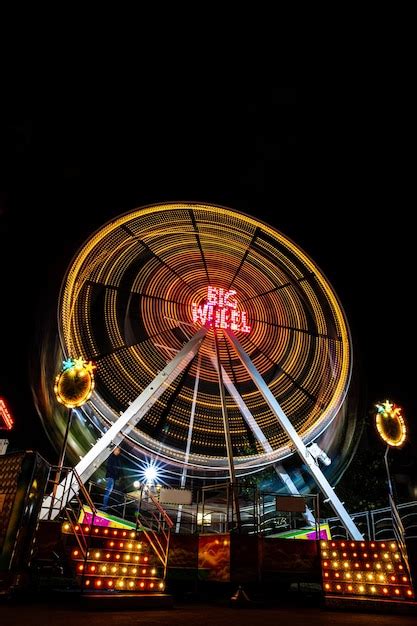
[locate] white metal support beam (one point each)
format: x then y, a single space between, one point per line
189 438
289 483
245 412
259 435
285 423
124 424
227 435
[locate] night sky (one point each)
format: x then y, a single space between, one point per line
328 170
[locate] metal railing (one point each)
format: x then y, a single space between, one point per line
377 524
156 525
149 516
64 499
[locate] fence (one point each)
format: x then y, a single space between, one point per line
377 524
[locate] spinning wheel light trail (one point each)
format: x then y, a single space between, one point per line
232 275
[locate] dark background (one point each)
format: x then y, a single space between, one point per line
330 170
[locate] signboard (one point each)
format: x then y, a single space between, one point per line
292 504
3 446
175 496
6 420
220 310
214 558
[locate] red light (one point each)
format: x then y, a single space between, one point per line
220 310
5 415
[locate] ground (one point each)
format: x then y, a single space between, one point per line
194 615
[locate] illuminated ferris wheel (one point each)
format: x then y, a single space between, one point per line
241 315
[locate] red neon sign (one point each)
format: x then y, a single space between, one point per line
220 310
5 416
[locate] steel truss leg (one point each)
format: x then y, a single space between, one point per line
227 436
287 426
246 414
189 437
259 435
124 424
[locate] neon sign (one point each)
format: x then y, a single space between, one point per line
390 423
5 416
220 310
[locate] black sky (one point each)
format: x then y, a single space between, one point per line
330 170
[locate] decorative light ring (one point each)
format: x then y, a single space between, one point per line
127 303
75 383
390 424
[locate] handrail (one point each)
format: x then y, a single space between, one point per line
379 521
161 509
154 538
78 535
81 494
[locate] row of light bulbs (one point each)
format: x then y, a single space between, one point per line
100 531
124 556
369 589
110 583
116 570
387 576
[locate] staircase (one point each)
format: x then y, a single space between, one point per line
365 572
113 565
113 560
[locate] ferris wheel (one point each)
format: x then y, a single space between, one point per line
220 347
145 283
